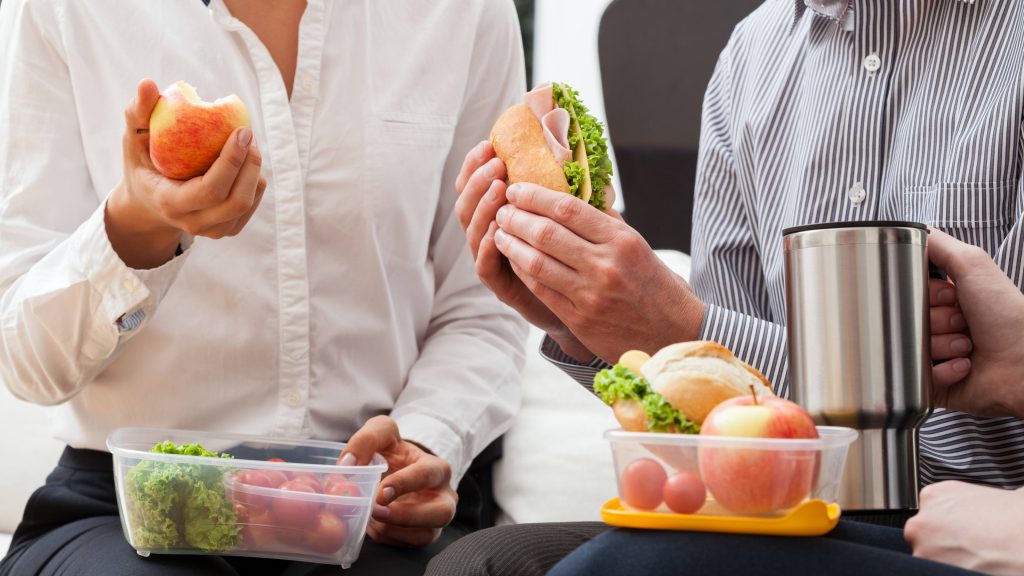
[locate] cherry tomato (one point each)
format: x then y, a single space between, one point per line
342 487
276 477
307 478
290 511
641 484
275 460
248 497
258 530
329 533
684 493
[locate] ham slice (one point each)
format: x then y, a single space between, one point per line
555 121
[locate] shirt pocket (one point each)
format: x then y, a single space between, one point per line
404 163
980 213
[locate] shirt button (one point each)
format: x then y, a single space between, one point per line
294 398
126 282
857 194
307 83
872 62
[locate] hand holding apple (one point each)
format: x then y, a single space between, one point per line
758 481
147 212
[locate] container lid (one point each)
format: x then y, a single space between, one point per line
855 224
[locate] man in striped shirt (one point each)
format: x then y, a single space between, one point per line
818 111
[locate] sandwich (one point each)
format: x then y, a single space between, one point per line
553 141
674 390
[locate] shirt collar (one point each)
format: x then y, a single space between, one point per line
836 10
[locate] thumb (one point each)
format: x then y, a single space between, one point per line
945 251
136 118
377 435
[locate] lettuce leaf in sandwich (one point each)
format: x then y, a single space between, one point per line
621 383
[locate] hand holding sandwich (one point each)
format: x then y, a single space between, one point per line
582 275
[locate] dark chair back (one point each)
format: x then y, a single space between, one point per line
656 59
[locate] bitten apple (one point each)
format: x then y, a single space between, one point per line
758 480
187 134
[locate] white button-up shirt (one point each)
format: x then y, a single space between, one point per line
351 292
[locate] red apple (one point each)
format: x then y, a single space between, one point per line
755 480
187 134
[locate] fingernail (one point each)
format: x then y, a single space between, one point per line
500 238
244 137
945 296
489 171
348 459
957 321
960 345
381 512
387 495
962 365
504 213
513 192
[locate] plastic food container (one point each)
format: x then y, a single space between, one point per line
300 506
694 478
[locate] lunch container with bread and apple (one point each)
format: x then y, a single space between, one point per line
728 483
232 494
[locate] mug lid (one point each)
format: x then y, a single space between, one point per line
855 224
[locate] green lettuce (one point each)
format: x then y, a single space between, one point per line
173 505
592 132
621 383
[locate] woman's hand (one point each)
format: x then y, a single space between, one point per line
147 213
415 500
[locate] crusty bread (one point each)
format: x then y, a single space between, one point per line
518 139
630 414
694 377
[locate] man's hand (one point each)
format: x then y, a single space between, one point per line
481 189
970 526
147 212
991 382
415 500
595 273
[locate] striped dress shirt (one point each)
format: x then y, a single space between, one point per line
912 113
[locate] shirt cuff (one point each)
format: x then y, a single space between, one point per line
129 296
437 437
760 343
581 373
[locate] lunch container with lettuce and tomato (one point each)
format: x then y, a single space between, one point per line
186 492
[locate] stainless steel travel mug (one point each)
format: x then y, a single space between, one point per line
859 348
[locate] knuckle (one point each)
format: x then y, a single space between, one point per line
567 208
534 265
546 233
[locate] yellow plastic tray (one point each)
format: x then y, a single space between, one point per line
812 518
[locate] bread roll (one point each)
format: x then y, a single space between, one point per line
694 377
518 139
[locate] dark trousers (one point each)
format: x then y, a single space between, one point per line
594 549
71 526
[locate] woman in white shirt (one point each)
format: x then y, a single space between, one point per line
346 293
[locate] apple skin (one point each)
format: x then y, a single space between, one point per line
753 481
187 134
